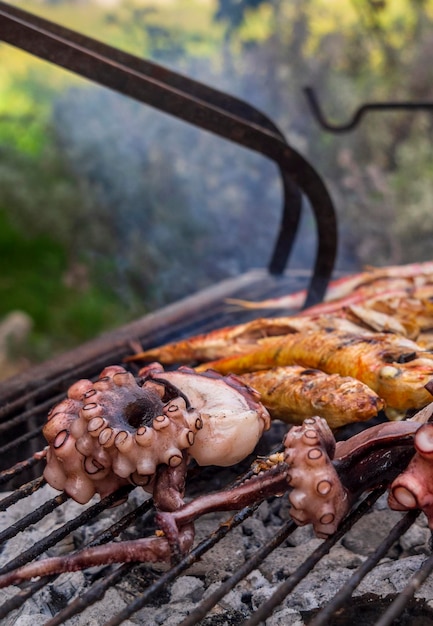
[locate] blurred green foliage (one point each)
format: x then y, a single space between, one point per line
34 278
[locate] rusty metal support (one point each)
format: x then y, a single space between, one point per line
360 112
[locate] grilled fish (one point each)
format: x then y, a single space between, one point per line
395 368
239 339
355 287
293 393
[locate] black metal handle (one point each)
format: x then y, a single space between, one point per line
360 112
197 104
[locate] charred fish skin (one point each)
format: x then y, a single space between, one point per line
239 339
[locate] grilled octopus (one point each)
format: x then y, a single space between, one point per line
120 429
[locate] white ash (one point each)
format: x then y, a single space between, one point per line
205 576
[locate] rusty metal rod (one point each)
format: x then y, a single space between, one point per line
268 607
228 585
325 614
12 445
28 520
184 564
84 600
97 591
356 118
58 534
17 601
22 492
21 466
43 407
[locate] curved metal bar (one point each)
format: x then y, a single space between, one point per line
199 105
360 112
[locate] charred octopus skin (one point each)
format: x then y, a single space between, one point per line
119 429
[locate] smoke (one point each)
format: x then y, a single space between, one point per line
174 207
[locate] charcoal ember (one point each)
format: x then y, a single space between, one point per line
239 598
54 597
370 530
285 617
173 604
187 587
231 601
30 610
256 533
392 576
301 536
225 557
416 540
286 559
29 620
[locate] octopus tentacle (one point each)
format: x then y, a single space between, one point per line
150 549
170 486
269 482
412 489
318 496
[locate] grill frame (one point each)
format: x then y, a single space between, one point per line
25 399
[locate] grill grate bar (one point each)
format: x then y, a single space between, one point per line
184 563
32 434
21 466
25 522
60 381
201 611
58 534
323 617
115 529
95 593
24 594
267 608
22 492
25 415
86 599
403 599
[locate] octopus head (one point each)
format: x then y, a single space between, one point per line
115 431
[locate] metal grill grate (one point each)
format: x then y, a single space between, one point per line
137 520
142 515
